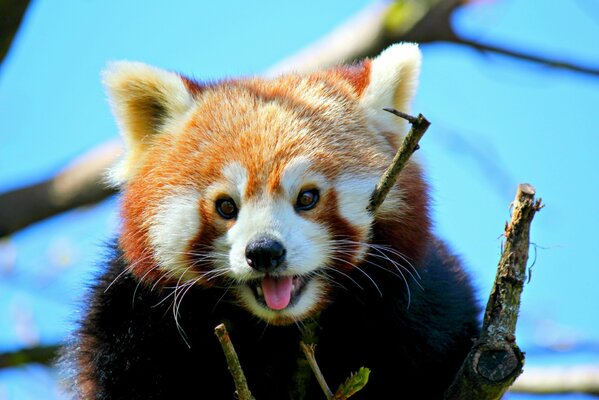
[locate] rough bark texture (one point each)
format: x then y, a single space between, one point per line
495 360
241 385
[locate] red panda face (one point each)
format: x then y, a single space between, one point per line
254 186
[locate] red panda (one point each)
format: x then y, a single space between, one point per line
245 202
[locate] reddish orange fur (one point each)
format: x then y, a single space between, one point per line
224 127
357 74
277 261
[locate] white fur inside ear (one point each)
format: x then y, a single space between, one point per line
146 101
129 83
393 82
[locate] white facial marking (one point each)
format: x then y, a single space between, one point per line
175 224
236 178
307 243
297 175
353 193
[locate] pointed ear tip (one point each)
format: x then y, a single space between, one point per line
114 71
122 70
402 53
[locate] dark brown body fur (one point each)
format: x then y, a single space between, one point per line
130 347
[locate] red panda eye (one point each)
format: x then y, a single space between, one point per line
226 208
307 199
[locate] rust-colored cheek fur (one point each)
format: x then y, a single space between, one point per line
263 126
134 238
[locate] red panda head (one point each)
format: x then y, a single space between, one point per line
264 184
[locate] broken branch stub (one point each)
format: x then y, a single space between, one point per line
495 360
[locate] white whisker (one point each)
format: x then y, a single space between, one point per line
361 270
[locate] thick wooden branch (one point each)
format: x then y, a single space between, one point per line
371 31
79 184
495 361
365 35
241 385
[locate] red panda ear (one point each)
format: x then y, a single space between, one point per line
392 82
146 101
358 75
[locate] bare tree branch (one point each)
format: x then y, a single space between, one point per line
495 361
79 184
241 385
42 354
521 55
11 15
365 35
309 353
383 23
371 31
546 380
405 151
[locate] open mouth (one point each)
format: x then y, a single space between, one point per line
278 292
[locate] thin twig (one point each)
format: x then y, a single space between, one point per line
550 62
407 148
365 35
495 361
302 376
309 352
241 385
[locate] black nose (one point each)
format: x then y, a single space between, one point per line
265 254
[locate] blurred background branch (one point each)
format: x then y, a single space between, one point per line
364 35
79 184
41 354
11 15
551 380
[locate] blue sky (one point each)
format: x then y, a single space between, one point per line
495 122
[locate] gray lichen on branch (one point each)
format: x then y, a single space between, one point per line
495 360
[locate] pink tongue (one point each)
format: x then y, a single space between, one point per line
277 291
